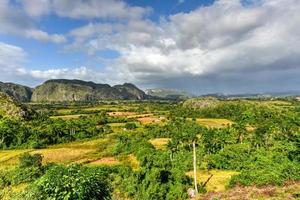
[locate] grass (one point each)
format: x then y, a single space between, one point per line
121 114
63 155
66 117
10 158
150 120
214 123
218 182
105 161
8 191
160 143
73 152
141 115
93 152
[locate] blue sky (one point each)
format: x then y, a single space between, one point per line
202 46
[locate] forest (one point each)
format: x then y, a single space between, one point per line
153 150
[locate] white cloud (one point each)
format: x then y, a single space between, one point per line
14 20
11 56
88 9
222 39
98 9
12 59
44 36
226 42
36 8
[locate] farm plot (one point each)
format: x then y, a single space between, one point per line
67 117
151 120
218 181
160 143
214 123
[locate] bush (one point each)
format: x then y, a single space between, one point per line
28 160
73 182
130 126
267 168
232 157
3 180
25 175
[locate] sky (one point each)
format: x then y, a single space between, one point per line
201 46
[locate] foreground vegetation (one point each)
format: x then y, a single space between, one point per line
144 150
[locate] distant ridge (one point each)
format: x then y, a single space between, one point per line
19 92
172 94
59 90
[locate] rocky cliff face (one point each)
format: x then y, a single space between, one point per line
130 91
77 90
19 92
11 108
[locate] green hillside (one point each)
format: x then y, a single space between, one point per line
77 90
19 92
10 108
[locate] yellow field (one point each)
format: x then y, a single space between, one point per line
66 117
160 143
150 120
214 123
219 180
133 162
121 114
105 161
16 188
75 152
9 158
63 155
141 115
65 111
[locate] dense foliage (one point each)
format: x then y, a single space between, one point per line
41 132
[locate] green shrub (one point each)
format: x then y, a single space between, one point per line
25 175
232 157
4 181
28 160
267 168
130 125
73 182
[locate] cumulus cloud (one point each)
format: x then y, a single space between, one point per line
36 8
98 9
11 56
87 9
44 36
14 20
225 39
229 45
12 59
67 73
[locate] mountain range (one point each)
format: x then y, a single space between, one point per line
59 90
171 94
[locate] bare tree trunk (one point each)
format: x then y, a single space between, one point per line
195 166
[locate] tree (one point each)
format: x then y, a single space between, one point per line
187 132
